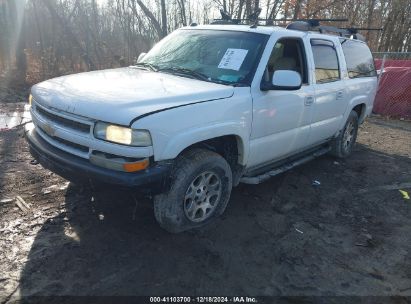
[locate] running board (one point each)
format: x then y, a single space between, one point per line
254 180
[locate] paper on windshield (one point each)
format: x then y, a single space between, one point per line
233 59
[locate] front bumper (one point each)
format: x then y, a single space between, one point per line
79 170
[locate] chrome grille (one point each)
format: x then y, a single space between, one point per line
75 125
72 145
63 130
62 144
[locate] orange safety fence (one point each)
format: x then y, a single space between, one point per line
394 90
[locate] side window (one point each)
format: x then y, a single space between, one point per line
358 58
287 54
325 60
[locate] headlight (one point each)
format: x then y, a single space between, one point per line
122 135
30 99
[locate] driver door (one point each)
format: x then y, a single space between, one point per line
281 119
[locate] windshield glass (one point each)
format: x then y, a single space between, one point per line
226 57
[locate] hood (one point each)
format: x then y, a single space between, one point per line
120 95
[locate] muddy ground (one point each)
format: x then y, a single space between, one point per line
350 235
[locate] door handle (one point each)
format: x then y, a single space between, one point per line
340 95
309 100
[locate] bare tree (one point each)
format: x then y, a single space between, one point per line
66 27
161 29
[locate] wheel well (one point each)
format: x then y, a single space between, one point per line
360 109
229 147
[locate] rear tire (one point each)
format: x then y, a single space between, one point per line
342 145
201 184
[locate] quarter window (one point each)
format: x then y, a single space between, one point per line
358 58
325 60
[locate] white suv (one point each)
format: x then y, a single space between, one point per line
207 108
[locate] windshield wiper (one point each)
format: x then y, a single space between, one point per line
184 71
145 65
196 75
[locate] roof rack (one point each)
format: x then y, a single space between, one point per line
351 32
297 24
270 22
254 21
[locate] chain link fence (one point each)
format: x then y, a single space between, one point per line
394 88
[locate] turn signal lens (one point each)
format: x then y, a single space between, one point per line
30 99
137 166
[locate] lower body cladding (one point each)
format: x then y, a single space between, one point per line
152 180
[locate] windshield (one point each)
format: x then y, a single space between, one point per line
225 57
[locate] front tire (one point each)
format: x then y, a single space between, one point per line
200 189
343 144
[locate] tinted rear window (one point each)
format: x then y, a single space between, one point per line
358 58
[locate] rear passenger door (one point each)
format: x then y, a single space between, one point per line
330 101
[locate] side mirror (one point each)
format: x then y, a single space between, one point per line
283 80
141 56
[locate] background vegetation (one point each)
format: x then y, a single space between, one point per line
40 39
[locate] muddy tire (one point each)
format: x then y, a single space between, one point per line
200 188
342 146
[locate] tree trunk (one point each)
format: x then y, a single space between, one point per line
160 29
369 18
5 34
41 40
164 17
240 9
21 60
256 5
297 9
183 12
247 8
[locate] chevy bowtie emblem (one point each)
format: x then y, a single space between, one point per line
49 129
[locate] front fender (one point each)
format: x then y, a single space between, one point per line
202 133
173 130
